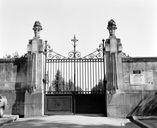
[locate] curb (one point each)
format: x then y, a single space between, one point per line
8 119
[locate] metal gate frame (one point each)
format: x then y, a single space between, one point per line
76 100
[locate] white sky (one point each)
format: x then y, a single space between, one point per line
136 22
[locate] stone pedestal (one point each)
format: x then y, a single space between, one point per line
34 104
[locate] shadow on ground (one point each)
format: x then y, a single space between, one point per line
37 123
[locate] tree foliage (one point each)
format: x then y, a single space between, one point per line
59 84
98 88
14 55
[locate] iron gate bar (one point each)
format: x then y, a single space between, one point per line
72 72
50 74
93 73
90 75
85 77
82 75
98 72
96 75
80 70
77 76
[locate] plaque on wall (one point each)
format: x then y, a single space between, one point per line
137 79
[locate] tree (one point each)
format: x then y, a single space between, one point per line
59 84
14 55
69 86
98 88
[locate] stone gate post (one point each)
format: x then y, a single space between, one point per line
114 70
113 48
34 97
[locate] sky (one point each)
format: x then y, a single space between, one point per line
136 24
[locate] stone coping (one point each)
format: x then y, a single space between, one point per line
139 59
7 60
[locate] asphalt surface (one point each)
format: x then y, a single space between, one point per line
68 121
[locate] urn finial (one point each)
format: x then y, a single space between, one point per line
37 28
112 27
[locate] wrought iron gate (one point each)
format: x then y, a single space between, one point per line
75 84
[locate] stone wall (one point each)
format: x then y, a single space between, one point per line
17 85
8 73
139 79
12 84
139 74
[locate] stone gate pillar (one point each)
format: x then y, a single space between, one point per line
113 48
34 97
114 77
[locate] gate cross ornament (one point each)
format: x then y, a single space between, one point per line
74 40
74 54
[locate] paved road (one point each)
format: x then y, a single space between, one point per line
68 121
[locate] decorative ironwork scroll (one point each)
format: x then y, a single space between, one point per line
55 55
98 53
77 54
50 54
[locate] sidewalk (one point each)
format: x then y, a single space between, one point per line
69 121
8 119
65 121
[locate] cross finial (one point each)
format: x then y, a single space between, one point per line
74 39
